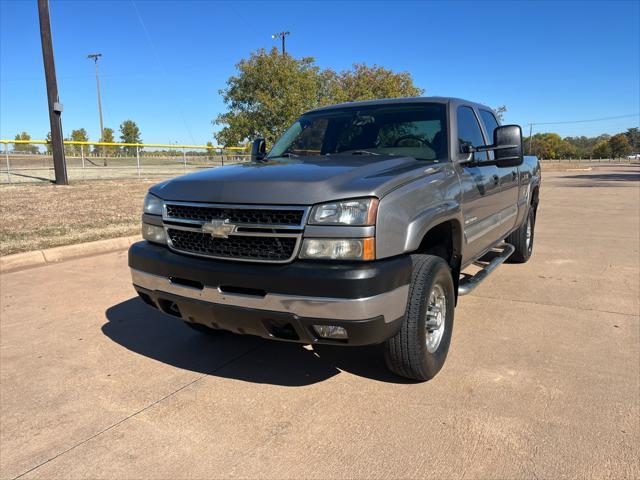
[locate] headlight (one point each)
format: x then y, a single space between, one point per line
338 249
152 205
153 233
361 211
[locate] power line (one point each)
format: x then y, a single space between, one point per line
164 71
586 121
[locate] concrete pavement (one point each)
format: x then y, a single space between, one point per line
542 379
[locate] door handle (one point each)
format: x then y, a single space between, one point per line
496 180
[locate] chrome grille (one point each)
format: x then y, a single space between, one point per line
262 234
235 215
271 249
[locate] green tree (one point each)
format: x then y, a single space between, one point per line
567 150
365 83
546 145
602 149
633 136
24 147
130 133
267 95
271 90
79 135
107 137
583 145
619 146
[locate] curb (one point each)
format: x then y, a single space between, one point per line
38 258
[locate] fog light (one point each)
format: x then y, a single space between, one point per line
331 331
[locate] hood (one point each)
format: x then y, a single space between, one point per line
295 181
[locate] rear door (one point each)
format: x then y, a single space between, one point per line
480 186
509 180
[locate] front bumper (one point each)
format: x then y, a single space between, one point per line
276 301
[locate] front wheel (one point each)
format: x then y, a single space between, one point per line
419 350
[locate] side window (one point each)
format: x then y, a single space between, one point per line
490 123
469 132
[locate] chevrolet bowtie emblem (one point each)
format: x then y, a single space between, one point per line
219 228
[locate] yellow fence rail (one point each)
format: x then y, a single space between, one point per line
116 144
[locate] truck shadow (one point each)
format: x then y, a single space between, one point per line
148 332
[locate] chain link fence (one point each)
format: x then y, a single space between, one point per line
23 163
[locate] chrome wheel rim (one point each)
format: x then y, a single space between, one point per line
529 233
436 315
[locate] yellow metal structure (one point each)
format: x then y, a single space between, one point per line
114 144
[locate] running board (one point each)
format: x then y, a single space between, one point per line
502 252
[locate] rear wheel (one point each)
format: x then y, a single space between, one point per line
522 239
419 350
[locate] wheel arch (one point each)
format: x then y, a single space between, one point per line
444 240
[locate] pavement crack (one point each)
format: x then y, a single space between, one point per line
147 407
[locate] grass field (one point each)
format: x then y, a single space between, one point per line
43 215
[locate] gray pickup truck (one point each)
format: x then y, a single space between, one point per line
355 229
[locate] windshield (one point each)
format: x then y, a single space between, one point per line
416 130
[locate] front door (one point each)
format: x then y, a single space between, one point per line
508 179
480 188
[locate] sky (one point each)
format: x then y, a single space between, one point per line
164 62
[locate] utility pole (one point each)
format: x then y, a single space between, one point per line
530 135
282 35
55 107
95 57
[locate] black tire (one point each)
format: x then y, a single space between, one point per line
518 239
198 327
406 353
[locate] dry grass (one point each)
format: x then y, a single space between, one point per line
33 217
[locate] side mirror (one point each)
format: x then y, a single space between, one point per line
507 146
258 150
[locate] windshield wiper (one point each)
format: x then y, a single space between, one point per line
282 155
363 152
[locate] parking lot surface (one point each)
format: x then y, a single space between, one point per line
542 378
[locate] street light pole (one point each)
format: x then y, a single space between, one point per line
55 107
282 35
95 57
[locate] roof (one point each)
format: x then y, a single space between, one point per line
402 100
